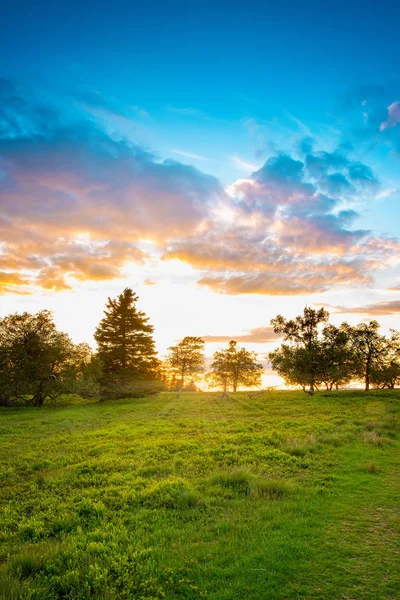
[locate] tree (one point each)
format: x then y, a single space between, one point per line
369 349
186 359
124 338
293 363
126 350
336 357
386 374
302 332
37 362
235 367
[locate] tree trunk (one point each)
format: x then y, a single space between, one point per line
38 398
367 380
367 373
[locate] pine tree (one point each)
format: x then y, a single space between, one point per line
124 338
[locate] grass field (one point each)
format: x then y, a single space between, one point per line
281 496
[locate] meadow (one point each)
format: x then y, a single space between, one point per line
282 496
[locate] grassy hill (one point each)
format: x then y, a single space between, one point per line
281 496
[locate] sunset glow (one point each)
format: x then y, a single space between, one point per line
222 186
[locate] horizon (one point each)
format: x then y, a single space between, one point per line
228 165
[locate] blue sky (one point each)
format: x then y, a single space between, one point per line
243 157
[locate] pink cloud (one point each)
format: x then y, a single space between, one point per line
393 116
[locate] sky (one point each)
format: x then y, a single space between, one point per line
227 161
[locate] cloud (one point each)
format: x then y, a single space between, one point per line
393 116
278 234
376 309
61 181
295 281
76 202
379 107
10 280
338 175
99 105
258 335
190 155
242 164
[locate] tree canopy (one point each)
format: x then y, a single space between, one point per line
37 361
301 359
125 338
368 347
336 355
234 367
186 360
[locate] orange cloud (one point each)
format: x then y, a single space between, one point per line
258 335
376 309
76 204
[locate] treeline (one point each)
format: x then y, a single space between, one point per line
38 363
316 353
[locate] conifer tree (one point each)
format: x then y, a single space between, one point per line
124 338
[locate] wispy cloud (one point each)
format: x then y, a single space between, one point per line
258 335
376 309
243 165
189 154
393 116
303 128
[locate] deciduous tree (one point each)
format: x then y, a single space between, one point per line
386 374
335 359
302 332
235 367
368 347
37 361
186 359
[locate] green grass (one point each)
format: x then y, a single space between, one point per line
280 497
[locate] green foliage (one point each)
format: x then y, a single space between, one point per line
173 492
368 347
272 489
126 349
237 480
128 385
37 362
235 367
185 359
336 361
124 337
191 498
386 372
299 363
337 355
295 365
